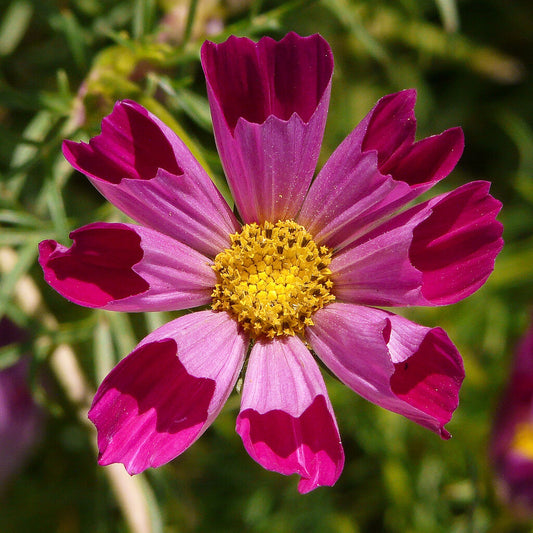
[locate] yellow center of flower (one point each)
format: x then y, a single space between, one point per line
273 278
523 440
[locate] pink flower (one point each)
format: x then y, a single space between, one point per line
512 440
20 417
302 267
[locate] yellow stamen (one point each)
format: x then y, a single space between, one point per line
273 278
523 440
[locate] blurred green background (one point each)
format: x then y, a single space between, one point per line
62 65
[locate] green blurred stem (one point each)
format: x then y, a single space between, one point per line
193 4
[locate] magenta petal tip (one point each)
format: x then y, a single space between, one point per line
98 268
149 409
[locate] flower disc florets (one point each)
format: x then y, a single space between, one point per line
523 440
273 278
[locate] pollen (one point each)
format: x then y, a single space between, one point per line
273 278
523 440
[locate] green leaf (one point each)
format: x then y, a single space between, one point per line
17 237
14 25
521 132
449 15
143 17
156 514
195 106
123 333
26 258
9 355
67 22
56 207
349 16
20 218
193 4
105 356
27 154
155 320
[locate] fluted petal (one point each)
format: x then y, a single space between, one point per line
286 421
409 369
389 129
435 253
428 161
390 126
456 246
123 267
375 171
269 104
376 269
158 400
511 442
141 166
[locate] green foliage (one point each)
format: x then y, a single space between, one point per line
64 64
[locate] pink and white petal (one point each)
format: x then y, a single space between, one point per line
141 166
286 421
409 369
269 105
376 269
123 267
160 399
456 246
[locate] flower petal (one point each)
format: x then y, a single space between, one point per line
389 129
123 267
375 171
255 80
428 370
409 369
158 400
514 486
269 104
376 269
346 196
142 167
286 421
510 445
435 253
21 419
428 161
456 246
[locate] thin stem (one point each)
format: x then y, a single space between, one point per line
190 22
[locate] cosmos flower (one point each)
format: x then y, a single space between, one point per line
512 440
301 267
20 417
